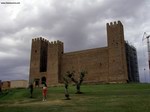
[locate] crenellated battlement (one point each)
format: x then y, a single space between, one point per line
43 40
56 43
40 39
114 24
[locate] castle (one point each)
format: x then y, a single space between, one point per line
104 65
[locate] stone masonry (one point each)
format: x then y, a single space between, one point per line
104 65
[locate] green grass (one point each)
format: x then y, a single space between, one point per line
95 98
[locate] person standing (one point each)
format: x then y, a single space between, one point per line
31 90
44 91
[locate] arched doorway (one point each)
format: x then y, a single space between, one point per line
37 82
43 80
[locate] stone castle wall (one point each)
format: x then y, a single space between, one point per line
107 64
94 61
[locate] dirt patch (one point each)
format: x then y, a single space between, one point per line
48 102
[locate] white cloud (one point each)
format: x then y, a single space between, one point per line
80 24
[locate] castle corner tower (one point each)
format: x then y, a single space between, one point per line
55 52
116 51
38 61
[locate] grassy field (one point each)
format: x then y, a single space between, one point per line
95 98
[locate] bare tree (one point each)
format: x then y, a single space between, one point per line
66 88
78 83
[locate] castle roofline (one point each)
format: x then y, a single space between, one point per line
114 23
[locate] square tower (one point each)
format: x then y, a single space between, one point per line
116 51
38 61
55 52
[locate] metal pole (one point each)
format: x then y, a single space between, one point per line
148 45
